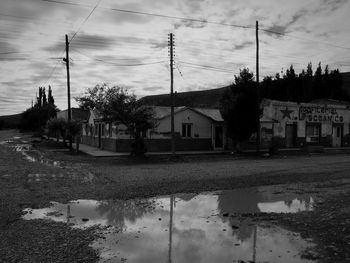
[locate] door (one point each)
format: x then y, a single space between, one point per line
337 136
219 137
291 135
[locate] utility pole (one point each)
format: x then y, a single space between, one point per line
257 88
68 88
171 46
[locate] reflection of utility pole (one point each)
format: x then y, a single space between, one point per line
171 227
257 88
254 243
171 54
68 214
66 59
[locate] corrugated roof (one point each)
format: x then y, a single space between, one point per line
213 114
162 112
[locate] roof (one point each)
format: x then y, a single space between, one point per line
331 102
161 112
213 114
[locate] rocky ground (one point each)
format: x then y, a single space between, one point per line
62 176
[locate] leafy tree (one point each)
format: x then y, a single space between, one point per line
73 130
57 127
116 105
240 107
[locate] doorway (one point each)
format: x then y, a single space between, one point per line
291 135
337 135
219 137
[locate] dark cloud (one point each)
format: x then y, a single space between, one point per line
159 45
6 47
276 29
154 88
116 15
243 45
190 24
84 41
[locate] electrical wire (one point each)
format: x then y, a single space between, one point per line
154 14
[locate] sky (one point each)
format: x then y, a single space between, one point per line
110 43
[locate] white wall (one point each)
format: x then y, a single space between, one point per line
201 125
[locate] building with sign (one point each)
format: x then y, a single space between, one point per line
291 124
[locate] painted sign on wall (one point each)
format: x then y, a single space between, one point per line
320 114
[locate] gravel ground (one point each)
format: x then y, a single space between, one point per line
33 184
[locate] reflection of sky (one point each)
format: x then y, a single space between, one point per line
199 233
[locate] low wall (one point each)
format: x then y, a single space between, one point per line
152 145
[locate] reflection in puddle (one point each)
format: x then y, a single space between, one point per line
187 227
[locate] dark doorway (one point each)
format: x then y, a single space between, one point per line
291 135
219 137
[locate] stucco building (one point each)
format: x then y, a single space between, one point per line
196 129
290 124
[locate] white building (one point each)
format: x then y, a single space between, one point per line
195 129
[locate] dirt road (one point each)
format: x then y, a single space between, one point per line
33 177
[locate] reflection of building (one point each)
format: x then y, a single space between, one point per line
255 200
195 129
291 124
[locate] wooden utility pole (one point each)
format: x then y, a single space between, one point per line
171 46
257 88
68 88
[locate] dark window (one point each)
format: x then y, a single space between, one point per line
187 130
313 133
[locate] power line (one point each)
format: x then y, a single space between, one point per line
301 38
154 14
86 19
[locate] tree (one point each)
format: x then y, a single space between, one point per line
240 107
57 127
73 129
36 117
116 105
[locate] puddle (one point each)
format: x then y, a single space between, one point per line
188 227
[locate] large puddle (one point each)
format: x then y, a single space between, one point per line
209 227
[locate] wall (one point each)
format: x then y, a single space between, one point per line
304 114
152 145
201 124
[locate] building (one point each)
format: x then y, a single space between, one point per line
290 124
196 129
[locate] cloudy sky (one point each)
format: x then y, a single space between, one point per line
123 48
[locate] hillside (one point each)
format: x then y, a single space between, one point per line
10 121
204 98
207 98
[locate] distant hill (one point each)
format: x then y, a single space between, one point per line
10 121
200 99
207 98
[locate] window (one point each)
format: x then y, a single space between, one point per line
187 130
313 133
